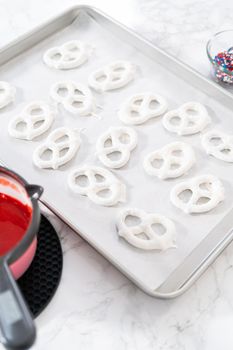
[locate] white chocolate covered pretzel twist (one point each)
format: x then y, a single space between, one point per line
219 145
119 142
35 119
198 195
190 118
141 233
75 98
141 107
67 56
7 94
171 161
113 76
92 181
62 144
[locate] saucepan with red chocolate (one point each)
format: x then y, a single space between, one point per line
19 223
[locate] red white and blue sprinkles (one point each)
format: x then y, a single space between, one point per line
223 63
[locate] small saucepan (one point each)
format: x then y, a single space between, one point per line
19 224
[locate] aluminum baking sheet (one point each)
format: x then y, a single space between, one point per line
156 72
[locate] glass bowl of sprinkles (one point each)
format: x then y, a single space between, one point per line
220 53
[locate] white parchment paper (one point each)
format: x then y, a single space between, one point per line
97 224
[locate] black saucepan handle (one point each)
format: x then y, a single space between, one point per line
16 324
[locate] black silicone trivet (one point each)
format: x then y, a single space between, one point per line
40 282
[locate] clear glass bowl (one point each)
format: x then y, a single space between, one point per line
220 42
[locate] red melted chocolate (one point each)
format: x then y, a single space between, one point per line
14 220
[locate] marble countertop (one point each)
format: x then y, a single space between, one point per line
95 306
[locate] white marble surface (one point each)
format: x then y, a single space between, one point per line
95 306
